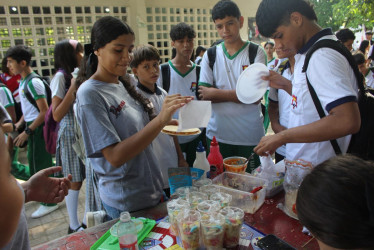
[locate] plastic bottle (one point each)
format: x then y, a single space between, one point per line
215 159
127 234
201 161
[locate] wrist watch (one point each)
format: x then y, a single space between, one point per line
29 131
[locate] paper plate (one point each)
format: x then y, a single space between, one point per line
172 130
250 87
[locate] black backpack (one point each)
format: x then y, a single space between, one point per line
362 143
45 81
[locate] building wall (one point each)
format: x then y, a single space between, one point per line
40 23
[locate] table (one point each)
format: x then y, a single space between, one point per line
268 219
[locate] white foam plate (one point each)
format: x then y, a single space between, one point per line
250 87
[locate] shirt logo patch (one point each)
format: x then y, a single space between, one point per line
117 111
244 67
193 86
294 101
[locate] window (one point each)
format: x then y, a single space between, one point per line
165 35
185 19
38 21
192 19
165 27
149 10
150 27
18 41
149 19
171 18
178 19
15 21
29 42
157 10
3 21
204 11
24 10
36 10
106 9
178 11
47 20
158 19
51 41
88 19
39 31
67 10
46 10
26 21
59 20
97 9
4 32
78 10
165 45
43 52
2 10
80 20
185 11
158 27
80 29
5 43
88 29
163 10
158 44
44 62
150 36
60 30
115 9
123 9
27 31
68 20
41 41
49 31
171 11
81 39
51 51
69 30
164 19
158 36
45 72
13 10
124 18
166 52
58 10
87 10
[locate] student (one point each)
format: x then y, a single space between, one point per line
19 58
369 36
13 196
364 69
329 73
279 100
200 50
145 66
117 124
364 48
269 50
10 80
336 203
183 79
67 55
346 37
237 127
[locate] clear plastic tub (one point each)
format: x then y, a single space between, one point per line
248 192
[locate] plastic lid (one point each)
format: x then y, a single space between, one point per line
214 142
200 147
125 216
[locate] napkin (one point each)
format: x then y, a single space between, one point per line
195 114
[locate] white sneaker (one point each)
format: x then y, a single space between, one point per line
95 218
43 210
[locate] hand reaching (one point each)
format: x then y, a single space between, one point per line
40 187
278 81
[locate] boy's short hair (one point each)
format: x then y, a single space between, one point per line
273 13
20 53
345 34
182 30
268 42
144 53
224 8
359 58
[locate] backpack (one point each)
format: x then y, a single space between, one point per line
362 143
45 81
165 72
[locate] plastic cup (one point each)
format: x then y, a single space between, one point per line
194 198
202 182
208 207
174 207
189 229
212 231
209 190
233 224
183 191
224 199
235 164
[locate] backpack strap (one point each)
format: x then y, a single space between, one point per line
165 72
28 95
212 56
339 47
198 68
252 52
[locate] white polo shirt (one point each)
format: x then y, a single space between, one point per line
232 123
37 90
284 103
369 79
6 97
335 84
273 63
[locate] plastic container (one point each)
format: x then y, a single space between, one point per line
215 159
174 207
202 182
234 218
235 164
126 232
248 192
194 198
208 207
201 161
223 199
209 190
212 231
189 229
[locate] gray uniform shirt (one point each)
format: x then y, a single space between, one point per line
107 115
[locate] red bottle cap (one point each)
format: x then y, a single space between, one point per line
214 142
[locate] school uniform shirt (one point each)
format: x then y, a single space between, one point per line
369 79
37 90
6 97
163 144
335 84
184 84
284 103
107 115
232 123
273 63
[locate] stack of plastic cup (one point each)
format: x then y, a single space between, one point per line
174 208
208 207
194 198
212 228
183 191
209 190
202 182
189 229
224 199
233 224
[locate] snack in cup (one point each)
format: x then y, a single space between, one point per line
235 164
183 191
224 199
212 228
209 190
233 224
202 182
194 198
208 207
189 228
174 207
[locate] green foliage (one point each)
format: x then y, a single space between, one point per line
344 13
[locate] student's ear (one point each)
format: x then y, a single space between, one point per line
296 18
172 43
23 63
97 52
135 71
241 20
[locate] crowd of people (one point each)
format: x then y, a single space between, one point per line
110 120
